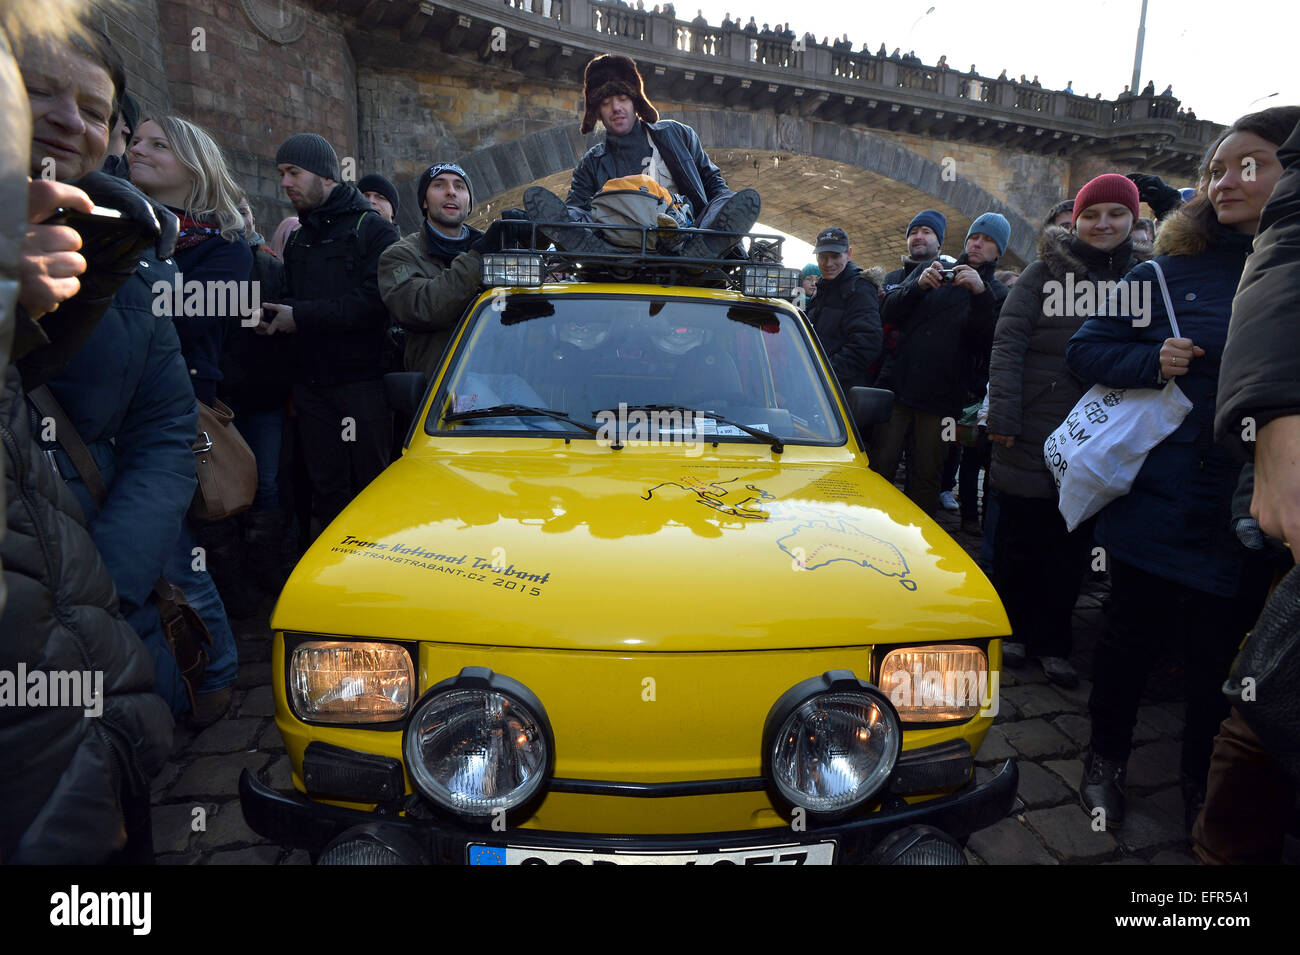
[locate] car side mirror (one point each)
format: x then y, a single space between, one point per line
870 406
404 389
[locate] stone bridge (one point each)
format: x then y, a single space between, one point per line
824 135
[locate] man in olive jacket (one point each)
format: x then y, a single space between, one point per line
428 277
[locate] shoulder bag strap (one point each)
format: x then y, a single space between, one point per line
1164 292
68 438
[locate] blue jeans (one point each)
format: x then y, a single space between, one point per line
262 430
201 592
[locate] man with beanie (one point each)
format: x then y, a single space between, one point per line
428 277
846 310
924 237
945 326
637 143
381 194
340 326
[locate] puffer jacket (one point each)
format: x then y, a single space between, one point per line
1260 377
1030 388
944 338
331 274
846 314
65 777
694 174
426 293
1176 521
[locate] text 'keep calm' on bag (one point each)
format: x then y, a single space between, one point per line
1096 452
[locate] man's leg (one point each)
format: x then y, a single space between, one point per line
927 431
737 213
887 442
369 443
542 205
325 453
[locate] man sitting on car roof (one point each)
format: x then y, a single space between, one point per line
637 143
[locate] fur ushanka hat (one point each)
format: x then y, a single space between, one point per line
611 75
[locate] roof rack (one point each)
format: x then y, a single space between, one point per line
643 262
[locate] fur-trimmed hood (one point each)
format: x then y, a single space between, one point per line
612 75
1061 254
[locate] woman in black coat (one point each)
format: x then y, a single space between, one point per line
1038 564
1177 569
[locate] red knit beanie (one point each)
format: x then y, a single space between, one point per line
1111 187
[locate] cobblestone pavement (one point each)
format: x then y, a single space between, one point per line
1043 727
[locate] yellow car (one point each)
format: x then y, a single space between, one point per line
632 596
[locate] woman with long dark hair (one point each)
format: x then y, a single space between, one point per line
1178 573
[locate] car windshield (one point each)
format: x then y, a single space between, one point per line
584 356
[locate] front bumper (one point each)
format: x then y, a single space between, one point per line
293 820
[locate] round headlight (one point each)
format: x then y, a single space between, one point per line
479 743
830 743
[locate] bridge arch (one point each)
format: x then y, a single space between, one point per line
810 174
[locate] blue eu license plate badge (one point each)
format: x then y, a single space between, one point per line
487 855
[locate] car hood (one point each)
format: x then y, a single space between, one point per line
611 551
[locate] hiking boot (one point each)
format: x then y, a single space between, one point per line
1102 788
738 214
211 706
1060 671
1013 655
948 502
543 205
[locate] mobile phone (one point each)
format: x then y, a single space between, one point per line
99 223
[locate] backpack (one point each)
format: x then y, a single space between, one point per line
637 201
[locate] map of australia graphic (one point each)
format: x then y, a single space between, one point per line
823 540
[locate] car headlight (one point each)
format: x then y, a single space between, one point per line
479 743
346 681
830 743
937 684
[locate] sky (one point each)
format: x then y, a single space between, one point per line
1223 60
1219 56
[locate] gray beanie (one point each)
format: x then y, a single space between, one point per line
311 152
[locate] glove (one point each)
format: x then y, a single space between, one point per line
1152 190
112 256
513 230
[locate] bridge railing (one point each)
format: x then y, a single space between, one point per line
814 61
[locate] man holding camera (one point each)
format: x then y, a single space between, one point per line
945 320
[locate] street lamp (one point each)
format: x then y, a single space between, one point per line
1258 98
1137 57
918 20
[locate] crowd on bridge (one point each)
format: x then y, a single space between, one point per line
105 390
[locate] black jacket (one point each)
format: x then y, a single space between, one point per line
1030 388
694 174
256 368
944 339
846 314
202 336
331 270
1260 374
67 781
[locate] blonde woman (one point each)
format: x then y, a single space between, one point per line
177 164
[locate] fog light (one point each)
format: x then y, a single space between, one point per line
918 845
373 844
768 281
508 268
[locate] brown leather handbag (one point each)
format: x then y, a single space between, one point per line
224 464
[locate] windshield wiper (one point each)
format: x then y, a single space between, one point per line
777 444
517 411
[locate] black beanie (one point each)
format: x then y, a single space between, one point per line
374 182
311 152
437 169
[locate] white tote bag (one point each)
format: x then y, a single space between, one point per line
1097 451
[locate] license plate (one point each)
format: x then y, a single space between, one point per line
821 853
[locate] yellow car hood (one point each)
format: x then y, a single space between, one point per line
592 549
